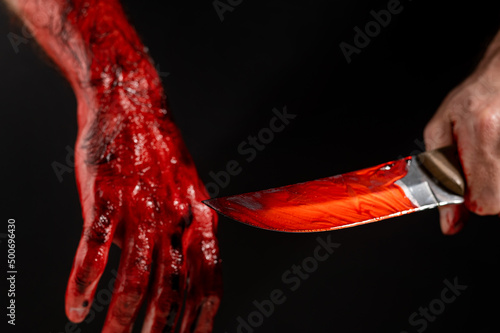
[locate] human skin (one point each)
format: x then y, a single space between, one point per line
137 183
469 117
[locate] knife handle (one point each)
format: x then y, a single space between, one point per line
444 165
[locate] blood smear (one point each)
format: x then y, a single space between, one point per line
341 201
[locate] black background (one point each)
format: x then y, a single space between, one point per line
224 79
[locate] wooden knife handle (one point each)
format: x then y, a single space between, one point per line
444 165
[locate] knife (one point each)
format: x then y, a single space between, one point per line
391 189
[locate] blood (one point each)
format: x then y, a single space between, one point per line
137 183
330 203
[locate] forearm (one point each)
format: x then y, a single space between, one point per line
489 63
494 45
98 52
121 102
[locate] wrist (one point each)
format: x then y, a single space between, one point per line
494 46
119 76
114 89
491 58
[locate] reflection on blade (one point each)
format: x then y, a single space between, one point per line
325 204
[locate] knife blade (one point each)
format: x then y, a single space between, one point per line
391 189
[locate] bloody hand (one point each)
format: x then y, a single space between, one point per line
137 183
139 188
469 117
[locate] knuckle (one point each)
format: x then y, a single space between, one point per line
435 135
83 278
471 96
467 103
126 306
141 266
99 228
122 315
132 288
486 125
132 298
100 232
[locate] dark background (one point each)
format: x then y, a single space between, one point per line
224 79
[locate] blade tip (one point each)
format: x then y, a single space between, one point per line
210 203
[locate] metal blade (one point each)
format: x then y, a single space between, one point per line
373 194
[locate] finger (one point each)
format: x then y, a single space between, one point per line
204 288
166 294
480 154
203 262
132 280
452 218
439 133
89 263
